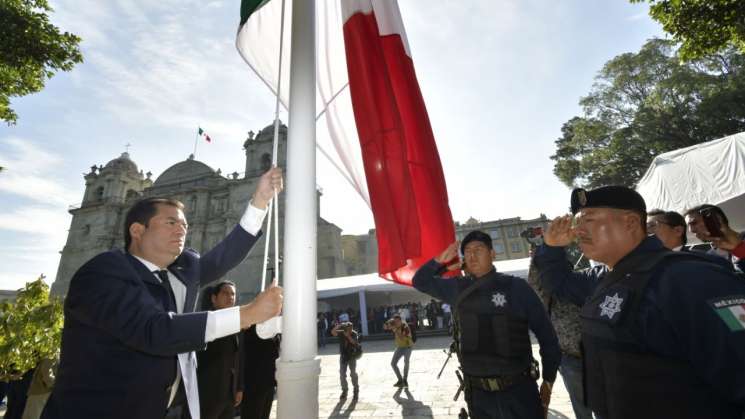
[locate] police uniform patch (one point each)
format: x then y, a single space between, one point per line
611 306
582 197
499 299
731 310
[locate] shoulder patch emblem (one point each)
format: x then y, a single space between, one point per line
732 311
498 299
611 306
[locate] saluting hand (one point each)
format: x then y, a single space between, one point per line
450 254
560 232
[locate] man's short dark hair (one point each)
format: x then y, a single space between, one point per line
655 212
713 208
142 211
673 219
475 235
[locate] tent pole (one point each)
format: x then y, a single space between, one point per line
363 312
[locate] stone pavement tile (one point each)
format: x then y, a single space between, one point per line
427 396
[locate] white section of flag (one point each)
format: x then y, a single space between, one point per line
258 43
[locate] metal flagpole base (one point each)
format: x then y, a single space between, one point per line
297 389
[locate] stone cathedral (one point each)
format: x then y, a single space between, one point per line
213 204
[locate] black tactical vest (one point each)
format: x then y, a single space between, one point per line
623 379
492 340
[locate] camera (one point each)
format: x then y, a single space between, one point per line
534 235
711 221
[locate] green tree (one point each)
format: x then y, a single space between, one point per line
31 329
31 51
702 27
646 103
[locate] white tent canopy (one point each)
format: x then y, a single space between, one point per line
706 173
362 284
334 287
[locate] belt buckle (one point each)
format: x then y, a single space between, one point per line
492 384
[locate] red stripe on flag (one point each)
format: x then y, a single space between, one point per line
402 166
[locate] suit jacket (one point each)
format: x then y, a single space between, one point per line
220 375
259 361
119 344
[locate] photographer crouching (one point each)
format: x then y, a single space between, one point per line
493 315
350 351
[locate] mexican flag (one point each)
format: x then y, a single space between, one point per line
204 135
372 120
734 316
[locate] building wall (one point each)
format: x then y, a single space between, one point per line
505 234
360 252
213 207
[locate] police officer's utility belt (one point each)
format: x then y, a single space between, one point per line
499 383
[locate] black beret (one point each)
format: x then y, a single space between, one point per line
475 235
619 197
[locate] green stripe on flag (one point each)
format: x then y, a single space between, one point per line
248 7
731 319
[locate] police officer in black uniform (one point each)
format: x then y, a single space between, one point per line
663 332
493 314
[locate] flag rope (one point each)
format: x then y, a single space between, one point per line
274 204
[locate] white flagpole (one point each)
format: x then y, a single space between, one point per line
298 367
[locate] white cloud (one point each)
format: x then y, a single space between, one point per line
49 222
32 239
29 173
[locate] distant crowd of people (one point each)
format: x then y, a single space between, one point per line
432 315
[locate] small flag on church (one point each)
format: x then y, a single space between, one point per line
204 135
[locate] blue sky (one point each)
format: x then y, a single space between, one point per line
499 79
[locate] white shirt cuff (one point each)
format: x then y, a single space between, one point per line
221 323
252 219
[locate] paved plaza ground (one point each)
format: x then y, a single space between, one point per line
427 397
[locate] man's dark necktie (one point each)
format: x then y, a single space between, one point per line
163 275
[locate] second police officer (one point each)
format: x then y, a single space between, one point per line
663 332
493 314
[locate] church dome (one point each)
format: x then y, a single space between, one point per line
184 171
268 132
122 163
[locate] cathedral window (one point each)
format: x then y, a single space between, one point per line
266 162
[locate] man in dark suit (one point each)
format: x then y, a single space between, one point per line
219 374
130 328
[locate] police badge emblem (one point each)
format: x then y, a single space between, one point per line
498 299
582 197
611 306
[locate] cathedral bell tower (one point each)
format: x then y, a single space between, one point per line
258 149
96 222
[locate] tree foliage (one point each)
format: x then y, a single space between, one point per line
702 27
31 51
646 103
31 329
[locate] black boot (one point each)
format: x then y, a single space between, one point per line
356 394
399 383
405 384
343 395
